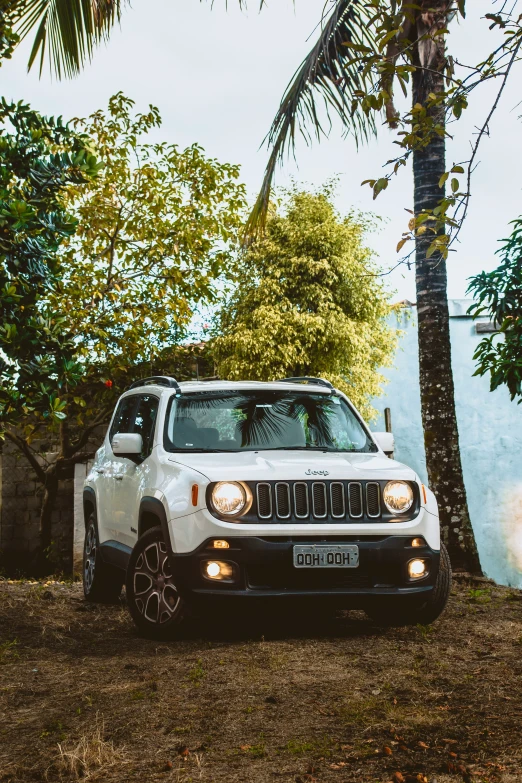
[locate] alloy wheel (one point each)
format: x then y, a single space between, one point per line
90 558
155 594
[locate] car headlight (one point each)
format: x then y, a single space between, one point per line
230 498
398 496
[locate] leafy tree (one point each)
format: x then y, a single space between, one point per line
39 157
136 249
308 301
155 231
498 294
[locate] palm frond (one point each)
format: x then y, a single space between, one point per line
332 71
67 31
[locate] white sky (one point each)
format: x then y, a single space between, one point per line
217 77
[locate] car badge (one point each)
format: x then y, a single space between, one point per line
311 472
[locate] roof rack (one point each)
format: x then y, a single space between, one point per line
159 380
308 379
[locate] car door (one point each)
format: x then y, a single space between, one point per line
132 478
123 421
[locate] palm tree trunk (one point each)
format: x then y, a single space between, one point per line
441 437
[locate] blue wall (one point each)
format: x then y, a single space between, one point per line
490 430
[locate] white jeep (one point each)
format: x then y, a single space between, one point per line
210 491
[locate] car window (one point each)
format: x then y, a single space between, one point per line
123 419
263 420
145 420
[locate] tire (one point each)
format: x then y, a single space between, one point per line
102 583
153 600
423 614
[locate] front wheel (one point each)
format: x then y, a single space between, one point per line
424 614
154 602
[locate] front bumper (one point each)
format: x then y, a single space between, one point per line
264 567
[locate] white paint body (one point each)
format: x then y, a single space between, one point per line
120 484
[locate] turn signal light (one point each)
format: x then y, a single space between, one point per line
195 493
418 542
219 543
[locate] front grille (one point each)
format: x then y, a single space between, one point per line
282 500
264 501
373 499
301 505
335 501
319 506
356 504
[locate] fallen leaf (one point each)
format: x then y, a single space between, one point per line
398 777
245 747
168 765
453 755
423 745
387 751
403 747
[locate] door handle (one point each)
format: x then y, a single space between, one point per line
118 476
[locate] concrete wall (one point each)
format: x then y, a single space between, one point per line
490 430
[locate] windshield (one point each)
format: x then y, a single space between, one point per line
261 420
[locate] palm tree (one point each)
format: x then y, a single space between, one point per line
332 74
67 31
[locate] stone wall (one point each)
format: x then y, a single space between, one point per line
20 503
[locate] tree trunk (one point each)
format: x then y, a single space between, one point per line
43 554
441 438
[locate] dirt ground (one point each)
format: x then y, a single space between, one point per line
327 697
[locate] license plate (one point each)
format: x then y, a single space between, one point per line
326 556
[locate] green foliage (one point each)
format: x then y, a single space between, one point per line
39 157
498 294
155 231
67 31
308 301
8 38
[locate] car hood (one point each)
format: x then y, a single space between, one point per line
294 466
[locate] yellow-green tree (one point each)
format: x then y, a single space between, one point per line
155 230
308 301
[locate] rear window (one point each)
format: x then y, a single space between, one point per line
263 420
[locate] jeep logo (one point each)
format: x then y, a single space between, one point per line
311 472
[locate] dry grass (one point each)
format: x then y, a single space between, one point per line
323 697
89 757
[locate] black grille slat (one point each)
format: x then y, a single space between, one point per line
355 499
319 506
337 499
373 499
301 506
282 492
264 501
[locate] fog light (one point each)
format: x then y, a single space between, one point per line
220 544
213 570
417 569
418 542
218 571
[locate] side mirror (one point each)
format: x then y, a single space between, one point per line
127 444
385 441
